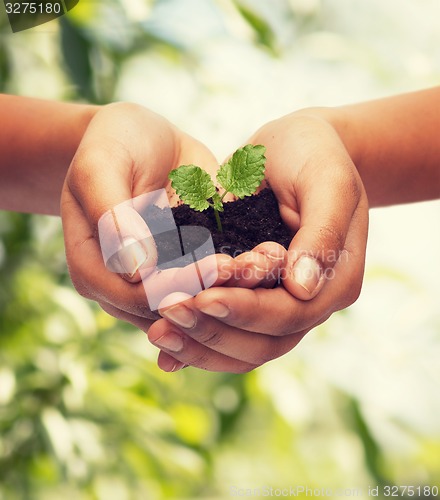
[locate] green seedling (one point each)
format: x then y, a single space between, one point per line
240 175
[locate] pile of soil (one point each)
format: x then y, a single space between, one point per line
246 223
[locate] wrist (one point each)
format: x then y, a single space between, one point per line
38 144
337 119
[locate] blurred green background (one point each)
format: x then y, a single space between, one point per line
84 411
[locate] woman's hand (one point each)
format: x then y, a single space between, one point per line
321 196
126 151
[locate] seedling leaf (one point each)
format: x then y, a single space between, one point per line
244 171
193 185
241 176
217 202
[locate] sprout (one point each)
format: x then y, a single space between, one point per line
240 175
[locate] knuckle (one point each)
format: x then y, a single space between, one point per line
347 181
330 236
200 360
353 188
142 310
211 338
79 171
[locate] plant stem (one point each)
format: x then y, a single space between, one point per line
217 218
223 195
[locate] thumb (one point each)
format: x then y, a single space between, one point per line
127 244
101 183
126 151
326 212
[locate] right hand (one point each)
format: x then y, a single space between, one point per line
321 196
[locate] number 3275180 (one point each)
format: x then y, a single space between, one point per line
33 8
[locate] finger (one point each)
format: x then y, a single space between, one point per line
180 283
178 350
255 269
125 239
141 323
169 364
127 245
272 250
88 272
274 312
93 281
187 351
277 255
252 348
277 312
326 209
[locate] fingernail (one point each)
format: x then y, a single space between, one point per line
260 273
178 366
216 309
132 256
171 365
170 341
180 315
274 258
210 278
307 273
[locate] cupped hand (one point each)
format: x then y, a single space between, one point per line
320 196
125 152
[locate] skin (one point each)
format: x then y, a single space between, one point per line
312 156
37 142
326 166
61 166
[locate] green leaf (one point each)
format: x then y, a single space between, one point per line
76 49
193 185
243 173
217 201
264 34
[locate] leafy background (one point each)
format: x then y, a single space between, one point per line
84 412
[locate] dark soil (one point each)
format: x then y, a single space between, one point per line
246 223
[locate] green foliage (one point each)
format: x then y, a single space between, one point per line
193 185
77 51
373 455
84 411
263 31
243 173
241 176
